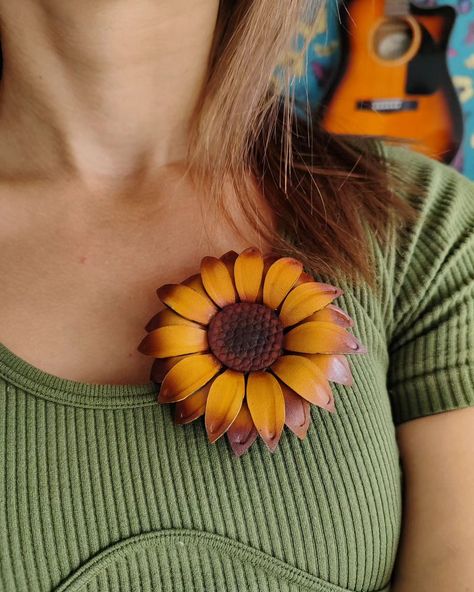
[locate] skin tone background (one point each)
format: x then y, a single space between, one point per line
95 214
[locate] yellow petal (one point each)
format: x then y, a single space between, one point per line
187 302
167 317
248 271
174 341
297 412
192 407
217 281
268 261
304 279
187 376
306 299
335 367
333 314
229 260
321 337
224 402
242 433
195 282
305 378
267 406
280 278
161 367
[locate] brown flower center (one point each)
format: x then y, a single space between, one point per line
246 336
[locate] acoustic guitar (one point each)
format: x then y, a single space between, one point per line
393 79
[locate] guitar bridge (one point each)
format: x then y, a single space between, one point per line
387 105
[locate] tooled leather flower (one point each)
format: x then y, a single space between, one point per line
249 343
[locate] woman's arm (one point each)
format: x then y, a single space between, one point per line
436 551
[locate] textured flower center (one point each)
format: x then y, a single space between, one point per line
246 336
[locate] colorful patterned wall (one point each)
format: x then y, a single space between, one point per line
322 56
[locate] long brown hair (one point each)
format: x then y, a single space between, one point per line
324 190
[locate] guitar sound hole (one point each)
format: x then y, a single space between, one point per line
393 39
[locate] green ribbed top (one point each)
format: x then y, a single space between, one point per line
100 491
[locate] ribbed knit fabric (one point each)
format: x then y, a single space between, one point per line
101 492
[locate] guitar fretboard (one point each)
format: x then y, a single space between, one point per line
397 7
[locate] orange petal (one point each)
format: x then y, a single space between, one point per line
242 433
187 302
174 341
297 412
335 367
167 317
248 271
321 337
161 367
217 281
195 282
280 278
306 379
267 406
187 376
306 299
224 402
192 407
332 314
229 260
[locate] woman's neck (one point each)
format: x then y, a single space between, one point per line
100 91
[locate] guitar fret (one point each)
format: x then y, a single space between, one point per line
397 7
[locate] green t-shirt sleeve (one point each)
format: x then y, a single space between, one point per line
431 338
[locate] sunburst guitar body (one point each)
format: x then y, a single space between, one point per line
393 78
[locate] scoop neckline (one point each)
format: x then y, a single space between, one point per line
24 375
21 373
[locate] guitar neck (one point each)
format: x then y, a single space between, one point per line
397 7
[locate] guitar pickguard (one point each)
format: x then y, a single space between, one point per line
424 75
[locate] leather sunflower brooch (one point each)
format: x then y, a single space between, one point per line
249 343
